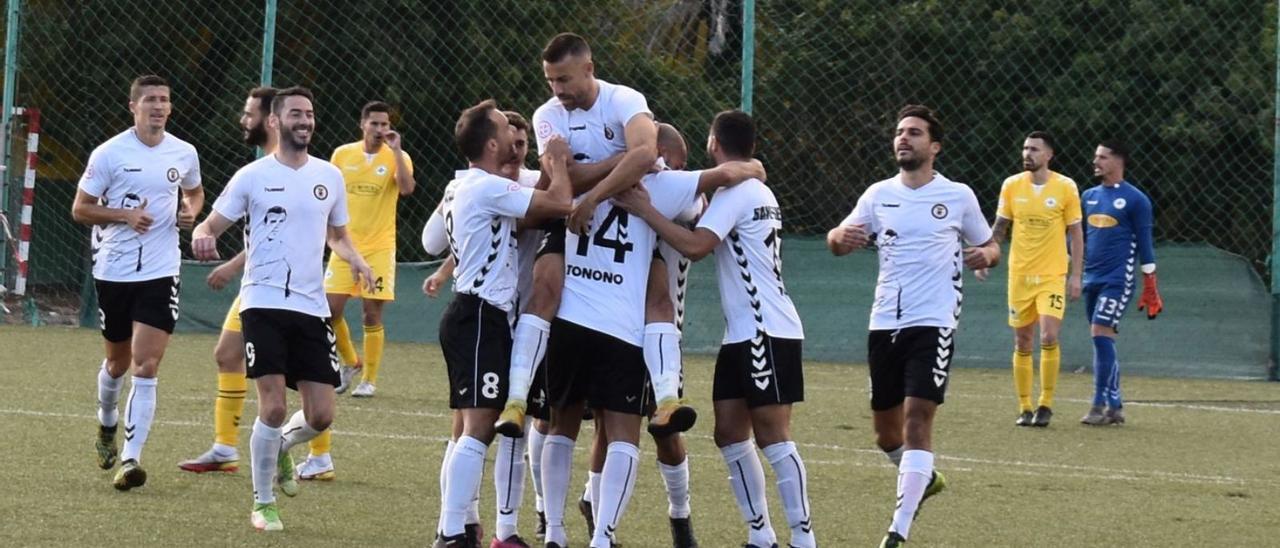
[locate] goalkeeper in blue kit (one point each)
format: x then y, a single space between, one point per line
1117 243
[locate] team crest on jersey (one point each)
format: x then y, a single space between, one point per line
608 133
939 211
172 175
381 170
1119 203
1050 202
321 192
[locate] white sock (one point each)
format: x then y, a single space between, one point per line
473 509
793 487
591 489
746 477
617 484
508 484
677 480
913 479
108 396
662 358
264 449
895 455
557 466
296 431
528 346
138 415
465 469
536 439
444 481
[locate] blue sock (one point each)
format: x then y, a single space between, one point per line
1104 370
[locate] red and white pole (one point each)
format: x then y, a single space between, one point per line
28 195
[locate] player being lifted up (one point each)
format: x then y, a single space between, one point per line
1040 204
480 211
129 195
229 352
612 137
758 373
1119 234
295 204
916 220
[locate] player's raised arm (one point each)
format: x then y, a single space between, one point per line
586 176
694 244
642 150
730 173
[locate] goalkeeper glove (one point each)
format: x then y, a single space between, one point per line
1150 301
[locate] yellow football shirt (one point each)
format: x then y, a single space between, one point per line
372 194
1040 215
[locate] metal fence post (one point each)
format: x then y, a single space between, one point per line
10 81
748 53
1275 224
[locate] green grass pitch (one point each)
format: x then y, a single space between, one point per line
1198 463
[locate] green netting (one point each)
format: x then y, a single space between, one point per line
1214 325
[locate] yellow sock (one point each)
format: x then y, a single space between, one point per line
1050 363
228 407
346 350
374 337
1022 378
321 444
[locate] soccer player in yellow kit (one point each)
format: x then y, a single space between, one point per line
377 173
1041 205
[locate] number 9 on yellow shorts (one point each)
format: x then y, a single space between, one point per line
1033 296
337 276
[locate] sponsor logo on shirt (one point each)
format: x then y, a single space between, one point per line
544 129
1102 220
320 192
578 128
274 189
132 169
593 274
939 211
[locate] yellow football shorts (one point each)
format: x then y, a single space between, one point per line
232 321
1033 296
337 277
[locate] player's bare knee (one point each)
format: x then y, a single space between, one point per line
372 313
271 413
320 419
1048 339
117 367
658 308
1024 339
670 449
146 367
729 434
229 356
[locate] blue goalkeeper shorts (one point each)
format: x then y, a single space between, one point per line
1105 302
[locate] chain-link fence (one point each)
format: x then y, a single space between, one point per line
1188 86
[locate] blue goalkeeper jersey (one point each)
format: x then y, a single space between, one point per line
1118 231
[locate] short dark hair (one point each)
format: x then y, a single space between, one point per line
1044 136
563 45
736 133
1117 148
277 102
135 87
474 129
516 119
374 106
264 95
928 115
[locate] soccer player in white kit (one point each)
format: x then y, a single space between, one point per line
758 373
480 211
294 204
917 221
129 194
